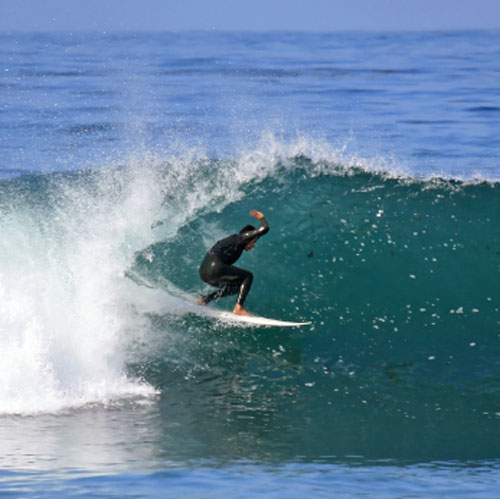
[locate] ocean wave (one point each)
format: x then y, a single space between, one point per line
398 274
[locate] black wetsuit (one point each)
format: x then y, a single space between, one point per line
217 267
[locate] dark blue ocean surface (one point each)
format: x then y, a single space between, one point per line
376 160
428 102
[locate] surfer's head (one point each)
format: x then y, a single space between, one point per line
251 243
247 228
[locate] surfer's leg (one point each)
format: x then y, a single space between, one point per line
245 285
225 289
230 280
242 281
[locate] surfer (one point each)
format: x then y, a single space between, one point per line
217 267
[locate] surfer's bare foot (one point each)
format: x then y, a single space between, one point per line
239 310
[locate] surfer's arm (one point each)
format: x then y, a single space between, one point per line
263 229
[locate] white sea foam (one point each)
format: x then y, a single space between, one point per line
62 313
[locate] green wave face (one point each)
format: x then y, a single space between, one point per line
400 279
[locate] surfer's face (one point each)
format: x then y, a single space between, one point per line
250 244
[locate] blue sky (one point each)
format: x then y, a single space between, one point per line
309 15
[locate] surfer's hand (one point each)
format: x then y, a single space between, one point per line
256 214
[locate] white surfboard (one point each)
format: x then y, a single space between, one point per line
255 320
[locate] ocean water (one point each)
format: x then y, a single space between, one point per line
376 160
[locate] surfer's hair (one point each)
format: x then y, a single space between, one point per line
247 228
